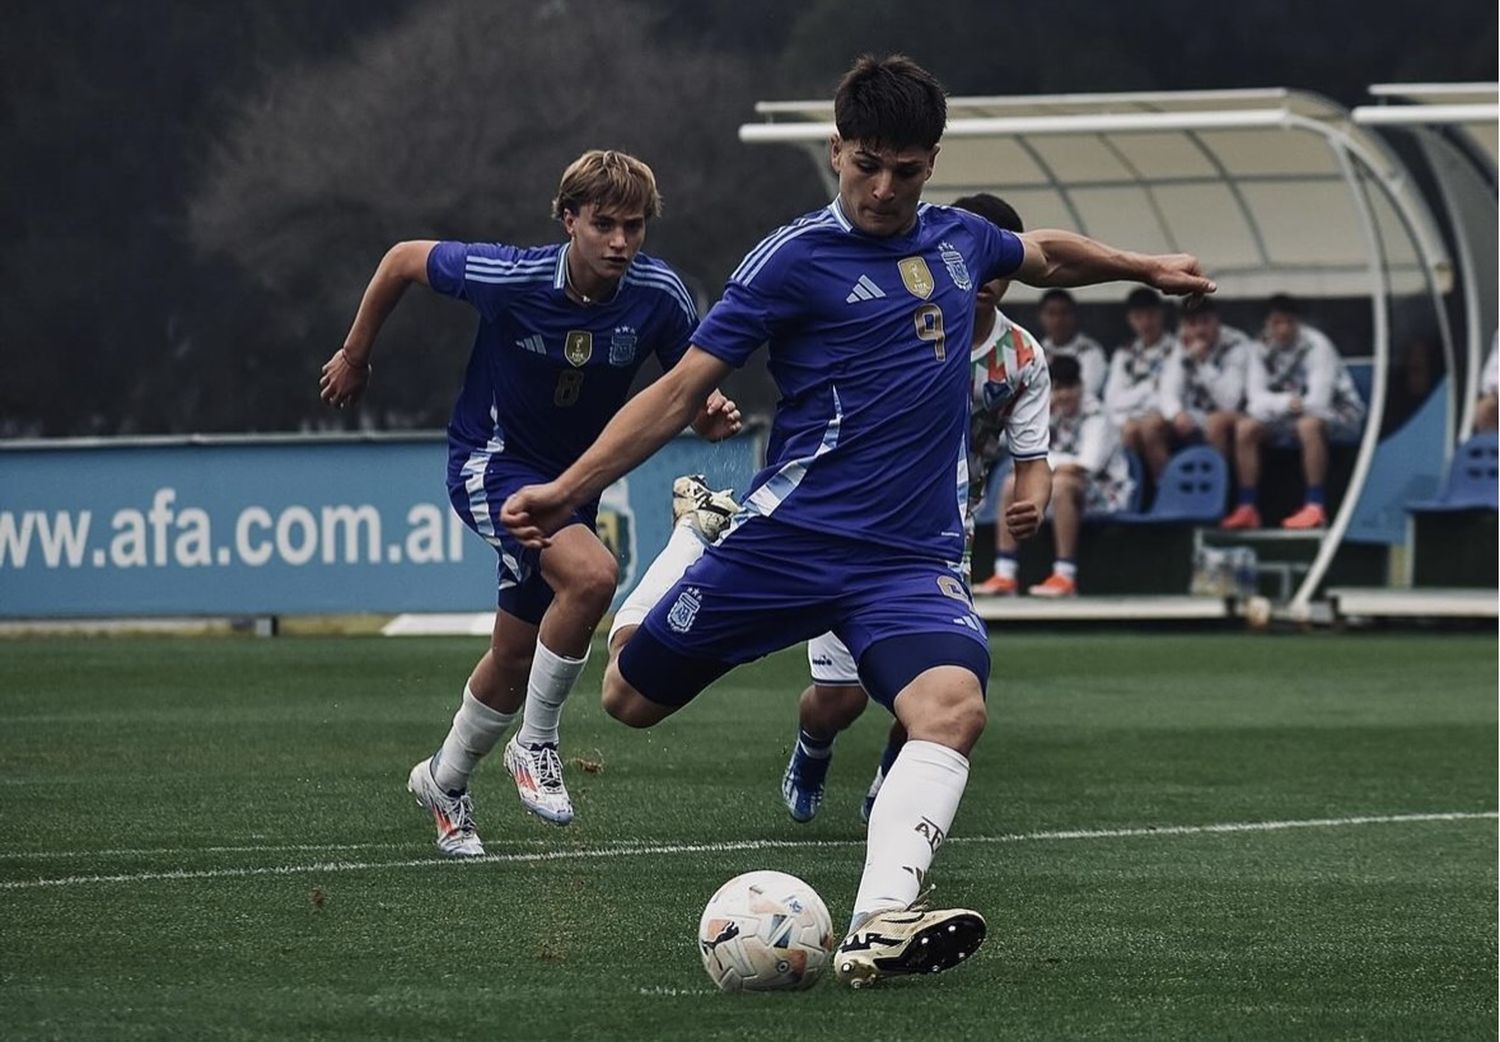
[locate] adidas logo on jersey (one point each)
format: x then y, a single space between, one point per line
864 289
532 343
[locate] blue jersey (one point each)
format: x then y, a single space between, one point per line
869 346
547 373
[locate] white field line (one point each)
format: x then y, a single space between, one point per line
271 848
325 867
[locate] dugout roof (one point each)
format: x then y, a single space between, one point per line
1274 189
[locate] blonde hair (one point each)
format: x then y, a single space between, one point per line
609 179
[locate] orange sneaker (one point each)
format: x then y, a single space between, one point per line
997 586
1055 586
1243 516
1310 516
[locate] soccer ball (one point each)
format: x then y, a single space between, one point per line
764 931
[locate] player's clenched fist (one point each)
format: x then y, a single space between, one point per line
535 512
1022 519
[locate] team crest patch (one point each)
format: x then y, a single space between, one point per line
958 271
579 347
916 277
685 610
622 346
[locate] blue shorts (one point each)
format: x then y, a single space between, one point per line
768 585
478 487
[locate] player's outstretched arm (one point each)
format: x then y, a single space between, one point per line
1059 258
346 373
646 423
1033 492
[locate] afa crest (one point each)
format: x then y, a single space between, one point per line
916 277
579 347
958 271
685 610
622 346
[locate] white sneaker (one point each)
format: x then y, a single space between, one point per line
537 770
899 942
454 815
708 512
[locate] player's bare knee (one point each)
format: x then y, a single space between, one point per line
1309 427
956 723
594 582
1248 429
623 702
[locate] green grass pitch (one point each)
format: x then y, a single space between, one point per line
210 838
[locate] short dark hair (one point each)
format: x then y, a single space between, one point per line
1065 371
1284 303
1056 293
993 209
1201 306
1143 297
890 102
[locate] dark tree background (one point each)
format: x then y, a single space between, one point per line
193 196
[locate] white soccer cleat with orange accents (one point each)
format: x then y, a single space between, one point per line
454 815
537 770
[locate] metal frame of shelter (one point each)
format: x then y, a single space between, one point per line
1457 128
1274 189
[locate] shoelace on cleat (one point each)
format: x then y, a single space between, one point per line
548 768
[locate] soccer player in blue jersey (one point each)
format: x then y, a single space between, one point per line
562 331
856 523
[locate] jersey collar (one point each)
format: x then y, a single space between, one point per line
837 209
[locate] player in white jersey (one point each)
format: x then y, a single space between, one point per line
1089 476
1057 314
1132 394
1203 383
1298 386
1008 409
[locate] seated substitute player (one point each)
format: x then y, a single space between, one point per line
1008 409
857 519
1203 381
1058 316
1089 476
562 331
1132 394
1298 385
1487 407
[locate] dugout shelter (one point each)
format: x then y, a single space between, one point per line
1277 190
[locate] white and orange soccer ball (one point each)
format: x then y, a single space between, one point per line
765 931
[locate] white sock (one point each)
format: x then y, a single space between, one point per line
910 819
682 549
552 677
476 730
1005 567
1066 569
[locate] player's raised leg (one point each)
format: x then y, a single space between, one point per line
582 574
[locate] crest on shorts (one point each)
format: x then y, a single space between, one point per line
622 346
685 610
958 271
916 277
579 347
